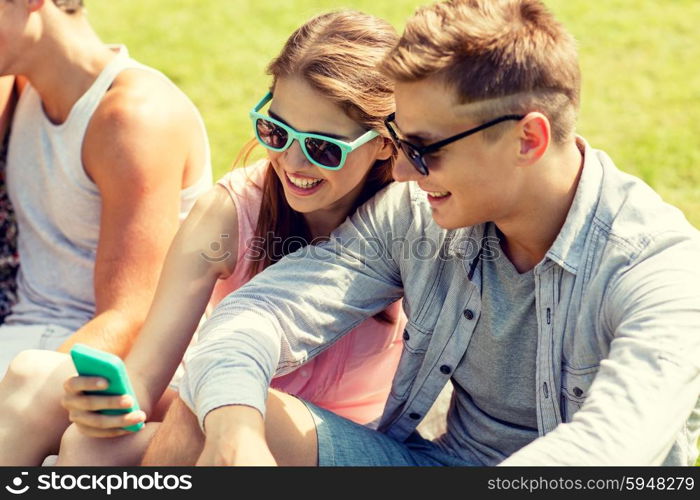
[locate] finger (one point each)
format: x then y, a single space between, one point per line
95 403
80 384
100 421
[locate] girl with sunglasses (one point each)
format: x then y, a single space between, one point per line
327 152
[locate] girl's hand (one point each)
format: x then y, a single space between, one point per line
83 408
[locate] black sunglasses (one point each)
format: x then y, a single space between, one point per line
415 154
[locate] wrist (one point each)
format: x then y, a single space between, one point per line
232 422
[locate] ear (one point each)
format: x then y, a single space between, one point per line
535 136
387 149
35 5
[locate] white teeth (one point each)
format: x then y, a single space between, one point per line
304 183
438 195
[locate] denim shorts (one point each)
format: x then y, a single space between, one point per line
342 442
17 338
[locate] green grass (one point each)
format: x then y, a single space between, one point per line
641 85
639 59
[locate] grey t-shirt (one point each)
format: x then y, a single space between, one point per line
493 410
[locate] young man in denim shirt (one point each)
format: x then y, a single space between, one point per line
559 296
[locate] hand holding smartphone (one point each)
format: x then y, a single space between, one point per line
91 362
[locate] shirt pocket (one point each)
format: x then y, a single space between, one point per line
575 385
415 345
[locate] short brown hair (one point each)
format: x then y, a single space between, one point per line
511 55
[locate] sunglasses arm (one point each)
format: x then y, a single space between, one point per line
364 138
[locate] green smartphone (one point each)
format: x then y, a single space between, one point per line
91 362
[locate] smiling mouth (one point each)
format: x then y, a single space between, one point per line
438 194
303 182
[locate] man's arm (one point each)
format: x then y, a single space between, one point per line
647 387
297 308
136 149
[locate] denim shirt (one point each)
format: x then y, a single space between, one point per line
618 311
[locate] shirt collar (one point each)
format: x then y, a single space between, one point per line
567 249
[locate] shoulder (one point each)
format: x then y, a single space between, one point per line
146 100
634 217
245 186
144 125
651 253
214 205
245 179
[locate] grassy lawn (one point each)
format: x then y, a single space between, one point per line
639 59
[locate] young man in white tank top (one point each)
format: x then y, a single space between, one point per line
105 157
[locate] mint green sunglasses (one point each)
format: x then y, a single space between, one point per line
323 151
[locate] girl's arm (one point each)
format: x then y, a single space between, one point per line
203 251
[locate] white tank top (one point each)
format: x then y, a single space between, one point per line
58 206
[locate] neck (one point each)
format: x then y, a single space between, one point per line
531 230
63 63
322 222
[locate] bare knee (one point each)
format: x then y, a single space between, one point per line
71 442
33 384
179 441
32 365
290 430
77 449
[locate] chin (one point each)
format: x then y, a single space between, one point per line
450 221
449 225
444 222
303 208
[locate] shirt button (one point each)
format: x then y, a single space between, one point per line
578 392
445 369
414 416
468 314
406 336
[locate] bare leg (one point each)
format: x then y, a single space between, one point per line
32 419
78 449
179 441
289 429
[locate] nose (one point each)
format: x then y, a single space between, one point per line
295 158
404 171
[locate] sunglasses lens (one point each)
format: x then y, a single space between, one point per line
324 152
271 135
413 156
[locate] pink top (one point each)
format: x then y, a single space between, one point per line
359 368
